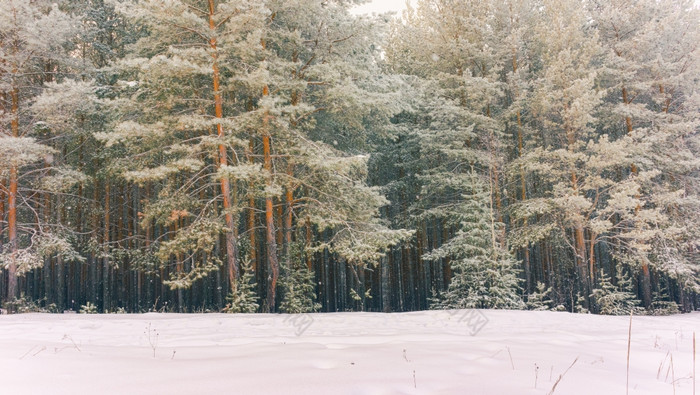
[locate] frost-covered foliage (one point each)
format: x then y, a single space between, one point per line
452 133
88 308
51 244
24 304
610 299
192 245
294 91
33 35
24 259
39 247
540 299
662 303
245 299
21 151
485 274
513 141
298 292
298 286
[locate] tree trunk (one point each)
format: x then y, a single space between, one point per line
270 240
105 259
646 285
307 243
253 253
581 262
523 197
288 216
231 242
12 205
645 276
385 284
60 269
591 257
2 214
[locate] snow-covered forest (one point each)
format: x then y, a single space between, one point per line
290 156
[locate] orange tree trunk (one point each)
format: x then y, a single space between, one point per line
231 242
288 217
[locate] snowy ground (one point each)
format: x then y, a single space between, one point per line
510 352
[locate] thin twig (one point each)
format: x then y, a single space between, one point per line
629 346
673 376
27 353
561 376
72 341
511 358
661 366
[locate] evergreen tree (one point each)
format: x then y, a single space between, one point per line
298 291
300 82
245 299
484 274
650 70
610 299
540 300
662 303
32 38
146 147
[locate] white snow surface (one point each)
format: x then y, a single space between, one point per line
429 352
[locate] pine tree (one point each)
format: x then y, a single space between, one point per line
651 66
135 135
32 36
301 83
177 78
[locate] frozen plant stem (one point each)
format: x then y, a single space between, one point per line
72 341
561 376
673 376
152 336
511 358
661 366
629 345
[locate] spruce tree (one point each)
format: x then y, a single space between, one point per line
484 274
540 300
610 299
244 299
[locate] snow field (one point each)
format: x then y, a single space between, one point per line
429 352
